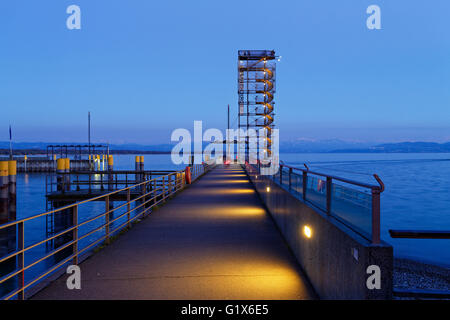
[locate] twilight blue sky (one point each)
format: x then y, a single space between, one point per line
144 68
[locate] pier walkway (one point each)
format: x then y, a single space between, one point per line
214 240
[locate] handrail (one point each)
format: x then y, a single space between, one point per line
161 188
376 190
349 181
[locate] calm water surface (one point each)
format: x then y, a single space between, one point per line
417 194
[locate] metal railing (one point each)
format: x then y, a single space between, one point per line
152 193
355 204
76 180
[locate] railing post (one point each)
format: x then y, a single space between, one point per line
164 187
21 258
329 185
290 179
75 233
305 181
128 207
281 175
144 191
107 219
375 216
169 177
154 192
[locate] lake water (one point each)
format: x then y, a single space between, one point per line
416 197
417 194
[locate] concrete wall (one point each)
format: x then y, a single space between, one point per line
335 258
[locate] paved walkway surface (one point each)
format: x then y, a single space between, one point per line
214 240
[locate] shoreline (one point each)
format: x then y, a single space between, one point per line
412 274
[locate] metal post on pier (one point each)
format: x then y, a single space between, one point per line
75 234
154 192
329 193
12 197
142 176
375 216
21 258
107 208
290 179
128 207
4 192
67 171
281 174
305 184
137 168
110 170
60 169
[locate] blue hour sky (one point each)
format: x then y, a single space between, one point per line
144 68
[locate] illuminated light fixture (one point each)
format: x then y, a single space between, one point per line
268 189
307 232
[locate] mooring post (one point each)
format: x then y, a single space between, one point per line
4 192
25 163
8 235
54 163
110 170
144 185
12 177
60 168
67 171
137 168
142 177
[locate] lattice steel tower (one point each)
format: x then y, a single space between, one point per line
256 88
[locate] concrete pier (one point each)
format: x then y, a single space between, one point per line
212 241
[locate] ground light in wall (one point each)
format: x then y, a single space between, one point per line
307 231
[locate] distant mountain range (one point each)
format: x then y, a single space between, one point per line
402 147
300 146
